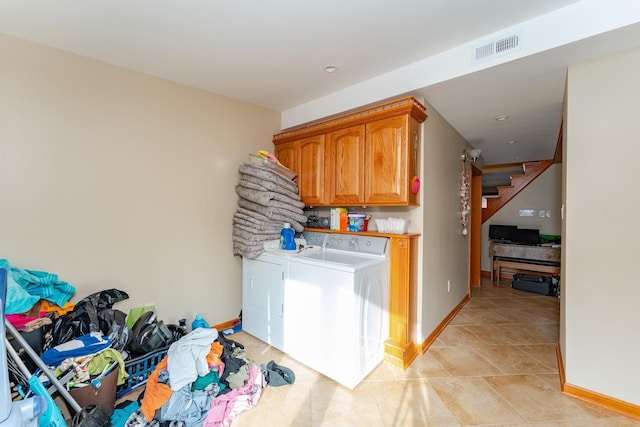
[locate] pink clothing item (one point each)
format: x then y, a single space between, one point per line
19 320
220 368
226 407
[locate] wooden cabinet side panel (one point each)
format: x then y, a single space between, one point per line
345 166
414 152
399 348
311 174
399 291
386 155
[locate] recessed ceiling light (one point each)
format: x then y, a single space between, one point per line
330 68
502 118
511 142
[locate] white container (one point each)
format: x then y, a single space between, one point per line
392 225
356 222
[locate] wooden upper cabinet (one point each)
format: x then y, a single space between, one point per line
391 161
344 161
367 157
287 154
306 158
311 174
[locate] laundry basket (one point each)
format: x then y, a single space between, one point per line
139 370
101 393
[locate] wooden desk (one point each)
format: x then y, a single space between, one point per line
524 255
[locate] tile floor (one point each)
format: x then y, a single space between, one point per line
494 364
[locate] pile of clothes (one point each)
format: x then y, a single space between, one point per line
267 200
88 356
25 288
205 380
40 301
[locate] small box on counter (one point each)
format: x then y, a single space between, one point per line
339 219
357 222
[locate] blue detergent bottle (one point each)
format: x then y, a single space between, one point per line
199 322
287 238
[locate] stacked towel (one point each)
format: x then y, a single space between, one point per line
266 200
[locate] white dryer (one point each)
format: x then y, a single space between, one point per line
263 297
263 282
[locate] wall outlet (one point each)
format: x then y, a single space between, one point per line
448 285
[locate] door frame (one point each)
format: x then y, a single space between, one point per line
475 228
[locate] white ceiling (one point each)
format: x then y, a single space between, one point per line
272 54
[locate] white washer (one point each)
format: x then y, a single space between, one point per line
336 306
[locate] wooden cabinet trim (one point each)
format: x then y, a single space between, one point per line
408 105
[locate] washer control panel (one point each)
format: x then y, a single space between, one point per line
371 245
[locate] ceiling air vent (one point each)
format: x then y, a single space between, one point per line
484 51
502 46
507 43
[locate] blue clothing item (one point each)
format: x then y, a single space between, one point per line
45 285
120 416
163 377
188 406
81 346
18 300
26 287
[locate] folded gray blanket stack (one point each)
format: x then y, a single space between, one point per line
266 200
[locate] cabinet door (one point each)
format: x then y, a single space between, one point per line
287 154
387 155
311 174
345 166
263 299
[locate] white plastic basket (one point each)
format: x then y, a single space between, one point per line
392 225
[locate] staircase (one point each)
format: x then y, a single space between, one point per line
518 182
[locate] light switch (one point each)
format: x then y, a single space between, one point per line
541 214
527 212
548 214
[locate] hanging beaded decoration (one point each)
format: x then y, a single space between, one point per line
465 207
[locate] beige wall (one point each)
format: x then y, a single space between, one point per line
601 286
544 193
444 248
114 179
563 256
